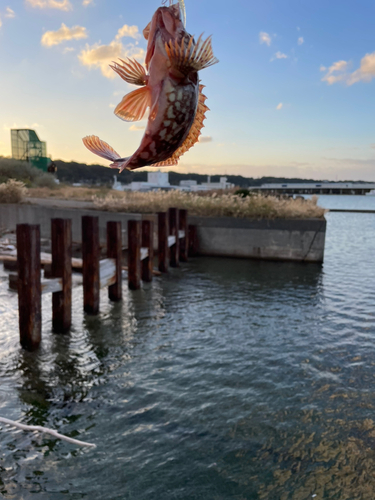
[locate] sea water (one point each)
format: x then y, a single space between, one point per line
225 379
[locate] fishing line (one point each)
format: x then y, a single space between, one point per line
182 8
183 11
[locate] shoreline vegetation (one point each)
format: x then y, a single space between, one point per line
19 180
207 204
214 204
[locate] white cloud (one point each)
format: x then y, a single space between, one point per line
300 40
68 49
279 55
205 138
100 56
85 3
112 105
61 35
51 4
264 38
279 106
339 71
129 31
1 23
9 12
366 71
133 128
335 73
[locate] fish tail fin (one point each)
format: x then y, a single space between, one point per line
100 148
191 56
121 164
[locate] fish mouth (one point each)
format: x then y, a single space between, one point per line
166 22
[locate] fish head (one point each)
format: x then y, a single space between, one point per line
166 24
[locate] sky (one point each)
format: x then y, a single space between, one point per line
292 96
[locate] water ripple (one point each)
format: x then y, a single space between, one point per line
223 379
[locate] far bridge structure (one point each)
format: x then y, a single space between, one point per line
355 188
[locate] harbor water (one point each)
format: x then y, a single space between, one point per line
225 379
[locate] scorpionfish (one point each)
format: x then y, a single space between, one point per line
169 86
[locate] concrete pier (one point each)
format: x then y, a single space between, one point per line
278 239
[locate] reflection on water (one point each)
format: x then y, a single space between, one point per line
224 379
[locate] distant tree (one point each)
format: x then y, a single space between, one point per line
71 172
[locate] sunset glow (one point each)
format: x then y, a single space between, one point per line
292 96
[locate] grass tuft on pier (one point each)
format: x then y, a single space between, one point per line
12 191
257 206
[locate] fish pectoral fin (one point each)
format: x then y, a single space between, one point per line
100 148
131 71
134 105
191 57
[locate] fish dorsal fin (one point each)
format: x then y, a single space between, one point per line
190 56
131 71
134 105
194 133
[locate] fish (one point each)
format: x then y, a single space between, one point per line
169 87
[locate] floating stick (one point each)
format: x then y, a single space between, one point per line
46 430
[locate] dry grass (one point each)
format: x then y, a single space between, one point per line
12 191
226 205
65 192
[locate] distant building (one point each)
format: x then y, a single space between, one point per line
155 180
27 146
189 185
160 180
222 184
316 188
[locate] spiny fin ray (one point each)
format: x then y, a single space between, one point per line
131 71
190 57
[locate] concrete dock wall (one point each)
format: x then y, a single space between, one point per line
298 240
11 215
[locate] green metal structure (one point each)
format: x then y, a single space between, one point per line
27 146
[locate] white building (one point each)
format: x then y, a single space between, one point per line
189 184
155 180
160 180
205 186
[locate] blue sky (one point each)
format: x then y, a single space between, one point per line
292 95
